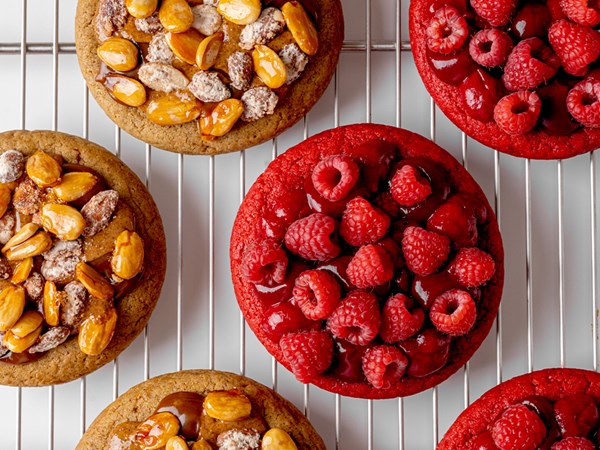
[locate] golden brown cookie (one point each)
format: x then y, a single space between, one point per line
67 362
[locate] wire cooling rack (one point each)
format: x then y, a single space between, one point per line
547 212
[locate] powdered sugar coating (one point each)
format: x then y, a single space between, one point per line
112 17
5 269
162 77
98 211
34 285
295 61
266 28
149 25
7 226
73 304
60 261
241 70
208 87
159 51
207 20
28 197
211 2
258 103
50 339
239 439
12 164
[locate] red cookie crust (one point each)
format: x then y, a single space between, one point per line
287 173
534 144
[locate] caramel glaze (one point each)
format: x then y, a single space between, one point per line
187 407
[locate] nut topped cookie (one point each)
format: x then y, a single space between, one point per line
83 257
207 77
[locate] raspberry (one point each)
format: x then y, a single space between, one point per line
384 365
370 266
490 48
556 12
362 223
518 428
356 318
517 113
424 251
455 219
573 443
583 102
484 441
409 187
576 415
453 312
265 262
317 293
334 177
472 267
575 45
581 11
313 237
308 353
397 321
530 64
447 31
496 12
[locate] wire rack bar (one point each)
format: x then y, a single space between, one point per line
594 260
528 265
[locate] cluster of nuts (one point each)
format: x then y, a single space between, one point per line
208 62
188 421
49 211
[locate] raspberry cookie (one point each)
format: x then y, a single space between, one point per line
553 409
520 77
83 257
207 77
368 262
206 409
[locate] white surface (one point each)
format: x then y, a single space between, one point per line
55 418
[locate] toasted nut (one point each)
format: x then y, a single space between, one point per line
162 77
20 236
201 445
126 90
208 50
119 54
43 169
176 15
156 431
5 194
19 345
51 304
227 405
35 245
240 12
12 303
268 66
28 322
74 185
277 439
176 443
22 271
174 108
222 118
128 256
12 163
95 283
141 9
185 45
62 220
302 29
96 331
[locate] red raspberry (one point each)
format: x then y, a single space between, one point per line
384 365
490 48
397 321
308 353
483 441
575 45
556 12
453 312
265 262
496 12
334 177
573 443
424 251
518 428
584 12
356 318
517 113
576 415
583 102
317 293
313 237
409 187
456 219
472 267
447 31
362 223
370 266
530 64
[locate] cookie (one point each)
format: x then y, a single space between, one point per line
90 287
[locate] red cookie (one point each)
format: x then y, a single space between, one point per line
374 294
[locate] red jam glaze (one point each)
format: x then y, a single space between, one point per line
452 68
532 20
426 289
347 365
286 317
480 92
427 352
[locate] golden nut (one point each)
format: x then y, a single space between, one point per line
119 54
62 220
21 271
140 9
128 255
268 66
18 345
201 445
126 90
5 194
185 45
21 236
35 245
95 283
74 185
174 108
43 169
12 303
51 304
156 430
176 15
240 12
227 405
176 443
96 331
222 118
208 50
277 439
28 322
302 29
